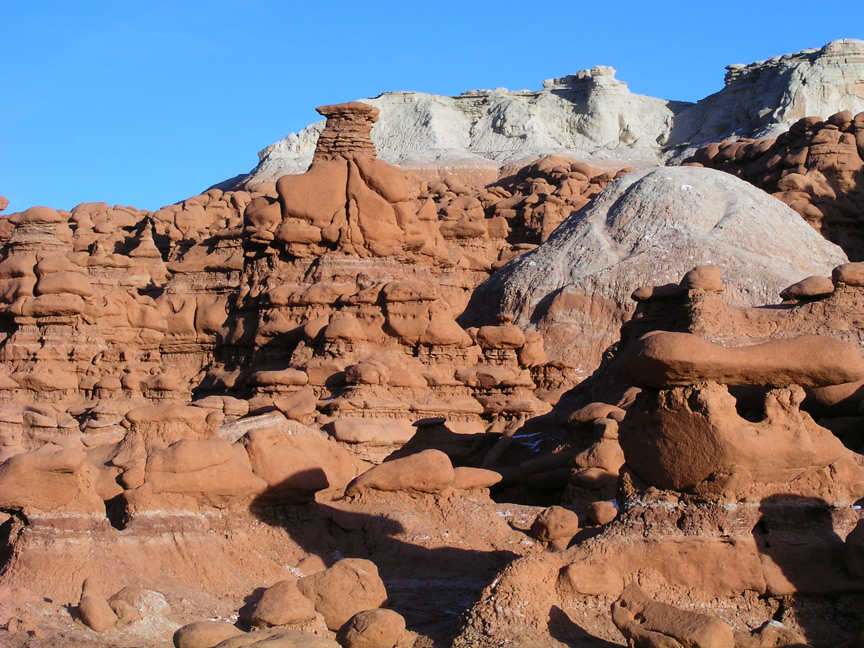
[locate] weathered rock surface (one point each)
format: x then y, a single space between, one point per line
341 591
650 227
372 629
204 634
648 624
814 167
281 604
663 359
93 607
261 404
593 116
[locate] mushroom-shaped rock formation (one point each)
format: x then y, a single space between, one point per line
685 427
348 199
664 360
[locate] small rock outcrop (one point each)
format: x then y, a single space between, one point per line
648 624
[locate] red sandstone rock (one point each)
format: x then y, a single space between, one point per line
93 608
213 472
296 463
281 604
850 274
814 168
341 591
602 512
348 130
466 478
645 622
429 471
49 479
680 437
706 278
663 360
372 629
204 634
809 288
277 638
555 523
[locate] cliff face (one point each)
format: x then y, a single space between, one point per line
763 99
591 115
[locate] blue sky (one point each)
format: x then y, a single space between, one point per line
146 103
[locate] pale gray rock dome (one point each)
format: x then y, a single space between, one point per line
650 227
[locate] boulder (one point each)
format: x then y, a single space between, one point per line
372 629
93 607
808 288
466 478
213 472
296 462
278 638
281 604
428 471
204 634
341 591
648 624
132 604
602 512
555 523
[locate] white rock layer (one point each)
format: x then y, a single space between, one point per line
593 117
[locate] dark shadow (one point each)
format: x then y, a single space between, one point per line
586 534
562 628
115 511
244 614
749 401
8 528
463 449
413 574
803 563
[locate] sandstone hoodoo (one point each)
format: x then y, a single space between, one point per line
535 398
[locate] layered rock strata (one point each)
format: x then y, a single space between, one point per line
592 116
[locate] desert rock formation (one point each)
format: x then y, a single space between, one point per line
652 225
592 116
356 406
815 167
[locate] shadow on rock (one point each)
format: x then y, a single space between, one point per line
413 574
802 560
563 629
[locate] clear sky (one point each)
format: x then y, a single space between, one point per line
145 103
